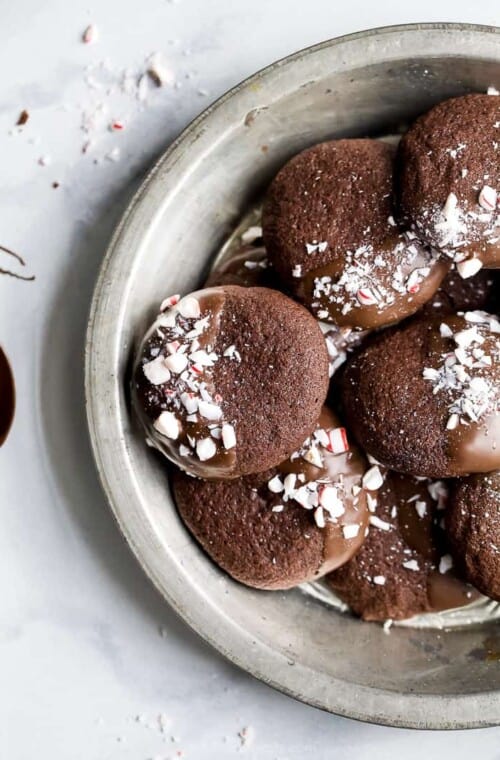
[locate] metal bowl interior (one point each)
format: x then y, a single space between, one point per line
367 83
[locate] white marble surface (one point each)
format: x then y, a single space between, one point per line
81 650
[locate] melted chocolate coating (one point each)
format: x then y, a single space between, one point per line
329 230
7 397
396 574
473 529
258 369
405 420
453 149
235 523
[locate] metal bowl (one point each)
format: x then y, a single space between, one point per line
366 83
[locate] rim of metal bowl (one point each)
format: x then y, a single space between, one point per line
368 704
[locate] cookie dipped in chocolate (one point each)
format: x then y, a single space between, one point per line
230 380
7 397
329 228
288 525
449 179
424 398
403 568
472 524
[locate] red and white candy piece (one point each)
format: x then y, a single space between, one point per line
488 197
337 441
366 297
90 35
170 301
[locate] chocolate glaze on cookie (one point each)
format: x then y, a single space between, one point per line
328 225
424 399
482 291
403 568
290 524
449 175
231 380
473 529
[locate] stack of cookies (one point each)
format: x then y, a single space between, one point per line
331 398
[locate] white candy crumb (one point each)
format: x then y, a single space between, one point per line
492 91
228 436
378 523
247 735
156 371
411 564
350 531
372 479
469 267
205 449
168 425
251 234
379 580
445 563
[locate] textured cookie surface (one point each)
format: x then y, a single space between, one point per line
328 225
449 177
402 569
290 524
473 530
231 380
424 399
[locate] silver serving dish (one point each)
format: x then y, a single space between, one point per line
366 83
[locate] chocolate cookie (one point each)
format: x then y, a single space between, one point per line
329 229
449 174
290 524
473 529
425 399
231 380
482 291
403 568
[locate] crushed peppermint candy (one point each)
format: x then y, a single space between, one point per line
315 246
445 563
177 363
370 279
466 373
324 497
453 227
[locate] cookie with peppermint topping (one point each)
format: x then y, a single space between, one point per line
292 523
403 568
330 232
472 524
230 380
424 399
449 180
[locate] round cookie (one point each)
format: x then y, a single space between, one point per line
482 291
291 524
230 380
448 177
425 398
329 229
403 568
473 529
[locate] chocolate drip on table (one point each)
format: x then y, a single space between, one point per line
7 397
